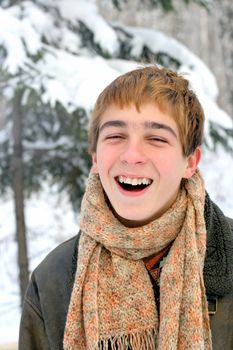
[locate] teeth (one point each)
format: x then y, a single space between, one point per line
134 181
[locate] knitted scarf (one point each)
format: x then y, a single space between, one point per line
112 304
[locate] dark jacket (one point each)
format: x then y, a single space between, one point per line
47 300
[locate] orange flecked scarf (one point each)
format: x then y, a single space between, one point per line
112 304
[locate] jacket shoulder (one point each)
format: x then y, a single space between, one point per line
230 221
47 298
59 258
55 273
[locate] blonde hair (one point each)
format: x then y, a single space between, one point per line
164 87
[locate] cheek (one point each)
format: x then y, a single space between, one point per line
163 163
105 157
169 165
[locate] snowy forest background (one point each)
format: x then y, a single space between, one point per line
55 58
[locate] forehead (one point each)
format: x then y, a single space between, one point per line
148 116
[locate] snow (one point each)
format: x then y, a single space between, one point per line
75 84
217 169
87 12
13 33
50 220
74 76
159 42
4 135
48 145
44 23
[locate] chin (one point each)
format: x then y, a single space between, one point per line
130 216
134 220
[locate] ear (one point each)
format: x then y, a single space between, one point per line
94 168
192 162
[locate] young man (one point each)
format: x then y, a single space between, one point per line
152 246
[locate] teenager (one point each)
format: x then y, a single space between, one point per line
152 266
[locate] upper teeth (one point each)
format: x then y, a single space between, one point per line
134 181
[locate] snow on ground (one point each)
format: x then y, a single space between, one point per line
50 220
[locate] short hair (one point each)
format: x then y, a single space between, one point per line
167 89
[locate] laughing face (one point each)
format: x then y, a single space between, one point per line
140 162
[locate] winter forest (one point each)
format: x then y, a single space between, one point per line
55 58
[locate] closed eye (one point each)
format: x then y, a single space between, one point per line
157 139
113 137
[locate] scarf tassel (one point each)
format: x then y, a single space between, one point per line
146 340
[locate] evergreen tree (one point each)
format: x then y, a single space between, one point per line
62 57
166 5
55 57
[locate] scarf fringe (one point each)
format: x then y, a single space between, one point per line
146 340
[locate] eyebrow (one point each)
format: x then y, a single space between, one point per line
155 125
111 123
147 125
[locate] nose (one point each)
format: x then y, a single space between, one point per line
133 153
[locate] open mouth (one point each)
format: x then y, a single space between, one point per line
133 184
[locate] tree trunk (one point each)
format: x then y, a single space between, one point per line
224 11
18 189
